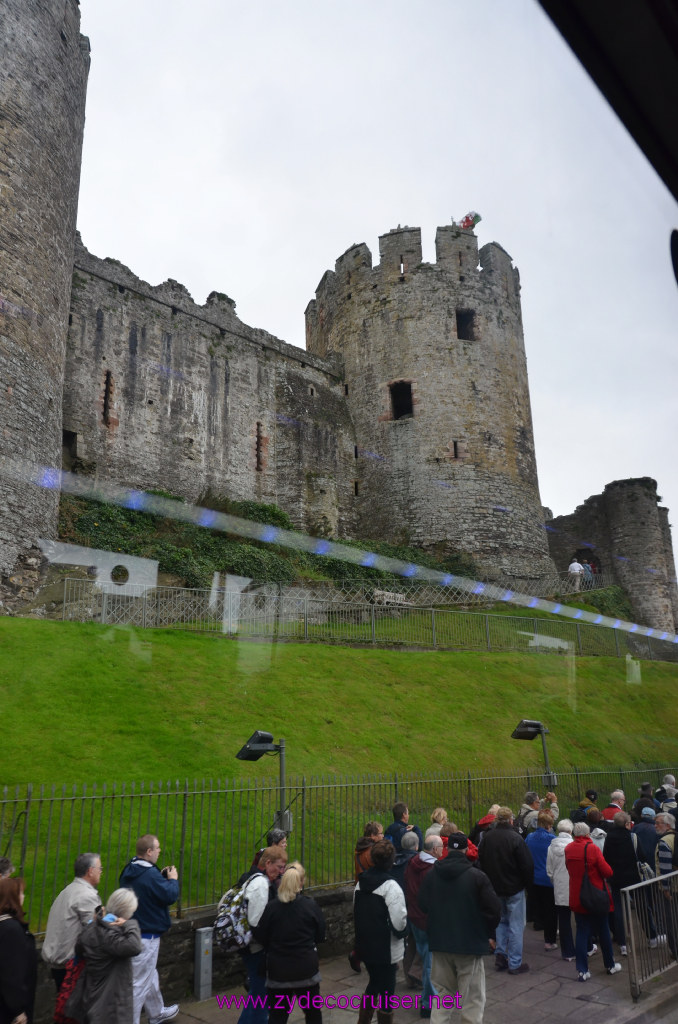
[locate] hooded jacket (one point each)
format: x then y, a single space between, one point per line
538 843
556 869
380 917
415 872
108 950
461 907
620 854
290 932
154 892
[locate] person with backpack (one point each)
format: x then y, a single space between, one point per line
259 889
380 917
529 811
290 929
581 813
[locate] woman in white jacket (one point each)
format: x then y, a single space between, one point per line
558 873
380 926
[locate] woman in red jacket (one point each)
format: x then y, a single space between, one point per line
580 855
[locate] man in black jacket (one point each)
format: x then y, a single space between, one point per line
462 911
506 860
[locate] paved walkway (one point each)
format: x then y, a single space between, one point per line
549 991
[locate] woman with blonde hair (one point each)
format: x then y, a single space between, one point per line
289 930
438 817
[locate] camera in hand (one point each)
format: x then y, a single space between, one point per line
165 872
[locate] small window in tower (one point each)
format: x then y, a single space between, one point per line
402 265
461 259
311 392
466 325
69 449
260 448
455 449
355 451
345 389
108 397
401 399
356 488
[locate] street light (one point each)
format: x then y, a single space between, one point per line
528 729
261 743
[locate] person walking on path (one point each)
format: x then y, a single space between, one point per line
380 918
462 912
156 891
583 857
506 860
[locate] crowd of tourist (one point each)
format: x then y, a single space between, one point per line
438 903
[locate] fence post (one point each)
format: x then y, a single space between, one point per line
303 819
470 805
487 632
63 606
396 788
579 637
374 631
104 607
182 847
24 837
305 620
433 626
143 610
649 649
616 642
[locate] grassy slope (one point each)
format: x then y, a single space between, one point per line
89 703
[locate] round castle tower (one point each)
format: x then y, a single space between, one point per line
44 63
436 380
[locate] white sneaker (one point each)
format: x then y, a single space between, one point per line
593 950
168 1013
584 975
615 969
622 950
653 943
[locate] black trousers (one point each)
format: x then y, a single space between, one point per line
382 983
279 1000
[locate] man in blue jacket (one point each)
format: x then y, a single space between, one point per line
156 890
401 825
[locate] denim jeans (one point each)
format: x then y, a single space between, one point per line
510 928
256 1011
421 939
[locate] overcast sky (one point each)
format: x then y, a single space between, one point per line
242 147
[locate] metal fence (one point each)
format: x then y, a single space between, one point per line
651 926
275 613
210 829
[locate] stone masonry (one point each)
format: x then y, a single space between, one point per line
406 418
44 63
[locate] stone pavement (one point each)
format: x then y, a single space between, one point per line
549 991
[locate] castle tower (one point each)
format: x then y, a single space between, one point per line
44 62
436 379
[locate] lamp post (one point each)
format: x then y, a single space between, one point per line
261 743
528 729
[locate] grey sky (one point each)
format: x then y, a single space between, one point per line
242 147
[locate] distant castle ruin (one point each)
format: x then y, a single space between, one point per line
406 418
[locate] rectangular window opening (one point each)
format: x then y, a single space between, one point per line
311 392
356 488
355 451
108 398
260 448
402 265
455 446
69 449
466 325
345 389
401 399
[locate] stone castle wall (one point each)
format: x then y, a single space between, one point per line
44 63
162 392
457 468
628 533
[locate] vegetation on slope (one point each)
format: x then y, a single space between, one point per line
194 554
83 702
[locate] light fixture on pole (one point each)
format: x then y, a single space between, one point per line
528 729
261 743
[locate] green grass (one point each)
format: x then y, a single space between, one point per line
91 703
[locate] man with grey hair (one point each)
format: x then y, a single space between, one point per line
665 826
415 872
617 801
72 909
507 862
532 805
